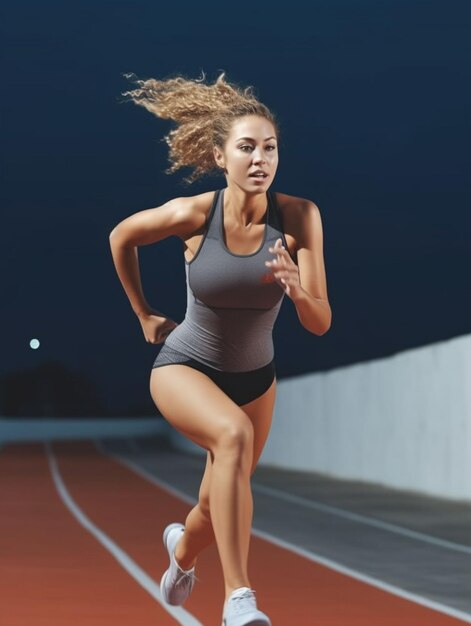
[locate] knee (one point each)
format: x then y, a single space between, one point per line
236 439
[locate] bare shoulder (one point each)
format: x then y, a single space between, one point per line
298 214
195 211
294 207
178 216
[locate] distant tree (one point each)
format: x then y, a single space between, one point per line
50 390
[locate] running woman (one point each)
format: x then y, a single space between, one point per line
245 247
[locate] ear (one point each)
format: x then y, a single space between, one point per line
218 157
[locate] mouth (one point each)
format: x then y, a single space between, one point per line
258 175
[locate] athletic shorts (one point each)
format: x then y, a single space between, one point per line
241 387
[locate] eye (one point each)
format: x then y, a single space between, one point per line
250 147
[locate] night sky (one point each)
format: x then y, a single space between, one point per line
373 100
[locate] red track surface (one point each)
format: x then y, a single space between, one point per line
54 572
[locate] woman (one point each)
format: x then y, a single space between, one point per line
214 379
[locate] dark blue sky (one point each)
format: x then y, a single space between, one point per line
373 99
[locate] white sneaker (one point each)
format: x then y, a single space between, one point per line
240 609
176 583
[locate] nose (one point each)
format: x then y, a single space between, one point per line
258 156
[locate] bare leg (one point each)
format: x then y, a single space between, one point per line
231 514
198 535
199 532
231 507
208 417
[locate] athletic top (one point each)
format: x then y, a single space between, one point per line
233 300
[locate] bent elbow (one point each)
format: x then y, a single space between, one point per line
327 326
117 237
113 233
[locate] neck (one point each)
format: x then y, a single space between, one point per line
245 209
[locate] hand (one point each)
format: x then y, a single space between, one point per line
285 270
156 326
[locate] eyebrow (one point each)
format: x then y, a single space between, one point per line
251 139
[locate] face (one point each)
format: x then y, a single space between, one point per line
251 146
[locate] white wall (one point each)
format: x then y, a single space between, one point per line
402 421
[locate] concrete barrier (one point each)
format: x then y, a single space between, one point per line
402 421
35 429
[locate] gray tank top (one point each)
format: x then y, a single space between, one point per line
233 300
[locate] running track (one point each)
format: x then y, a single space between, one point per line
80 544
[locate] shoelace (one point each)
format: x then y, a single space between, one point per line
240 607
185 577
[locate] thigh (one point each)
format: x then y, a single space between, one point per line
260 413
195 406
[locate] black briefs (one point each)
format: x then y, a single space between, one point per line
241 387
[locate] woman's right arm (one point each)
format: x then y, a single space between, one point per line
145 227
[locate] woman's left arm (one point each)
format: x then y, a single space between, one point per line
305 283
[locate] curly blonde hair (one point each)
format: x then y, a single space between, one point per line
204 115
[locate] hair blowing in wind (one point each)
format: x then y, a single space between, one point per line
203 114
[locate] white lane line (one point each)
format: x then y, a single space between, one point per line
374 582
140 576
354 517
308 554
362 519
137 469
